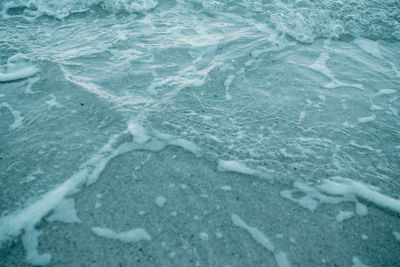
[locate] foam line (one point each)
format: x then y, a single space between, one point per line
280 257
235 166
134 235
254 232
19 74
26 219
347 187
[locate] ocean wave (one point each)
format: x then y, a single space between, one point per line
307 21
64 8
304 21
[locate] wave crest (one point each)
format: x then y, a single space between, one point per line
64 8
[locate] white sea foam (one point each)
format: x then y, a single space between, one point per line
27 218
180 142
361 209
235 166
254 232
311 196
22 73
65 212
280 257
367 119
134 235
344 215
64 8
30 240
55 199
348 188
386 92
139 134
18 67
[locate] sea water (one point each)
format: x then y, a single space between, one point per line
207 133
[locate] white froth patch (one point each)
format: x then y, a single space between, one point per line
26 219
139 134
18 67
361 209
256 234
396 235
344 215
183 143
312 197
30 241
22 73
280 257
16 114
386 92
134 235
160 201
348 188
65 212
364 237
357 263
367 119
235 166
369 47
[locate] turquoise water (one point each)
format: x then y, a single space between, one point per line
286 93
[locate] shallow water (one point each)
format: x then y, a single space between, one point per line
298 97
